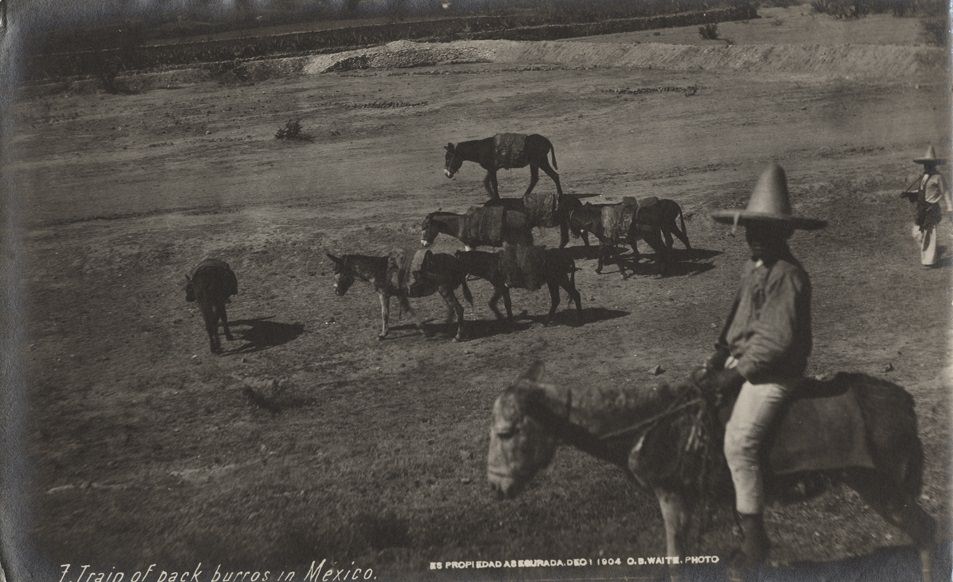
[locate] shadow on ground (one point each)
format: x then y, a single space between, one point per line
261 333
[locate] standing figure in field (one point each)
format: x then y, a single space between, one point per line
504 151
211 284
763 347
926 194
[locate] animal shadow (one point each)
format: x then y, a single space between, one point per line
261 333
682 262
481 328
582 252
568 316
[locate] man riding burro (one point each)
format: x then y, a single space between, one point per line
926 193
763 347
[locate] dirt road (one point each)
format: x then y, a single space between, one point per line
147 448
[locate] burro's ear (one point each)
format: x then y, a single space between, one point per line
335 259
188 279
448 147
535 372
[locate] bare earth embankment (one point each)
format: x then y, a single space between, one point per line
146 448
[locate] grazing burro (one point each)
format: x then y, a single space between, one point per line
211 284
504 151
502 270
852 428
403 275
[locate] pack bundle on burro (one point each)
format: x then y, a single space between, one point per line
480 226
405 274
524 267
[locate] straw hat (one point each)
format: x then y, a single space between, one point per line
769 202
929 157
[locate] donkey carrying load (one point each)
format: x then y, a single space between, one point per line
480 226
543 210
504 151
650 219
406 274
853 428
523 267
211 284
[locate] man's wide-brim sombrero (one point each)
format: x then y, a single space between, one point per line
929 157
769 203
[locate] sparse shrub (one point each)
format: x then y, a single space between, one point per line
709 31
292 130
935 30
837 8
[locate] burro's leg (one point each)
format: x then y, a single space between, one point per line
385 313
210 316
675 514
544 165
553 300
533 177
488 184
405 305
454 308
224 316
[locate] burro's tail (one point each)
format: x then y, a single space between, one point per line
466 291
681 219
552 153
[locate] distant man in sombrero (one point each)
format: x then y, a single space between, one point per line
925 194
764 345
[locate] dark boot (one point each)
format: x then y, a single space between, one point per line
754 549
755 542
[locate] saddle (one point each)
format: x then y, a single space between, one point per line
822 428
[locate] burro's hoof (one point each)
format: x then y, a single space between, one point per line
381 336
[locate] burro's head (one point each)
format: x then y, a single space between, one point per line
451 160
520 442
343 274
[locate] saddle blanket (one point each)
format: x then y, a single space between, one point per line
405 269
483 225
541 208
524 266
820 433
509 150
616 220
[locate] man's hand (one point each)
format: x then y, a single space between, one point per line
716 361
726 382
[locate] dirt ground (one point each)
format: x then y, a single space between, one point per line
144 447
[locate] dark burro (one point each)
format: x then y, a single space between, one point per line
211 284
502 152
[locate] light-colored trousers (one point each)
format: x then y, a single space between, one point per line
751 420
